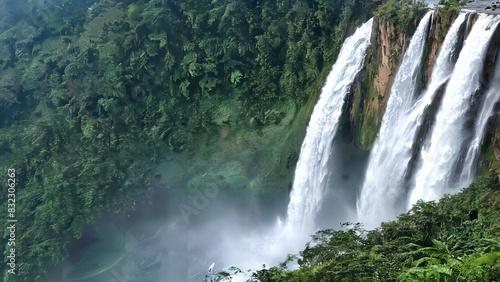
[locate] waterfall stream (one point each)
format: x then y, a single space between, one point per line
392 149
441 159
485 112
311 173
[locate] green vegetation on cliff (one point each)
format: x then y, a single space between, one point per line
455 239
402 13
394 24
97 97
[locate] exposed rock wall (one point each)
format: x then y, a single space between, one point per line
368 100
442 22
366 104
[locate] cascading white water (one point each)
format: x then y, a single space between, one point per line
256 247
312 170
392 149
438 160
485 112
399 127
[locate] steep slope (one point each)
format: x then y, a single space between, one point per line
366 106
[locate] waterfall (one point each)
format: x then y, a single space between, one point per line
485 112
392 149
441 160
312 172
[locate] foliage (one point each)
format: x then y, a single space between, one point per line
431 242
402 13
452 3
93 94
449 11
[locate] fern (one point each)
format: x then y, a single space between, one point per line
487 259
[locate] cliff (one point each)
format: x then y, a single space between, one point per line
364 110
370 92
490 150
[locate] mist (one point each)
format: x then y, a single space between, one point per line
178 236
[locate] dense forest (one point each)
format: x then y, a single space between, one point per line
99 98
95 94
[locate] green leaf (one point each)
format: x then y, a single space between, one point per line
487 259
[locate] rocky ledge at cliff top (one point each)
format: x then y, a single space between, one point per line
481 6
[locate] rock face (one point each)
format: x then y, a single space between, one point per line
442 22
369 94
366 106
367 102
390 52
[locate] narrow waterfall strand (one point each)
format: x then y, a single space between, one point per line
390 154
312 171
485 112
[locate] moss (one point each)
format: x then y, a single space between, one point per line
366 120
490 163
440 36
450 10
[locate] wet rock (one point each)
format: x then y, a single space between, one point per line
255 123
497 151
